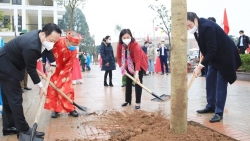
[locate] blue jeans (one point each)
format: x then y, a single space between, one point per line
151 65
216 86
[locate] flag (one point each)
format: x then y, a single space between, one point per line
225 22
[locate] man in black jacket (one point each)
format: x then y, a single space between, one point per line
20 53
243 42
222 59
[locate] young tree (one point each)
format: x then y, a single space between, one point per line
178 114
118 29
72 5
165 18
165 24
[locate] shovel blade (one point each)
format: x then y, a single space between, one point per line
25 137
162 98
82 108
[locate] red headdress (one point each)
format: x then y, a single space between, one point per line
73 39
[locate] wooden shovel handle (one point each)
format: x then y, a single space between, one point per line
193 77
54 86
38 113
140 84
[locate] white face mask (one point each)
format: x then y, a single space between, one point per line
48 45
126 41
162 45
193 30
109 41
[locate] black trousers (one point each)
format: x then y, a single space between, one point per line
106 74
138 89
13 115
242 50
164 61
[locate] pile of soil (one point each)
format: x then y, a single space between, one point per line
147 126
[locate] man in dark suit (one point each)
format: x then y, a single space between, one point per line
163 57
24 82
221 57
243 42
20 53
145 47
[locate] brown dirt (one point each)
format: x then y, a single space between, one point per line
145 126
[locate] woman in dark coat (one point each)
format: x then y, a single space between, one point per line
108 59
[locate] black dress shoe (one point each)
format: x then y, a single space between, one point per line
29 132
26 88
54 114
105 84
162 74
205 110
9 131
110 84
74 113
126 103
137 107
216 118
123 85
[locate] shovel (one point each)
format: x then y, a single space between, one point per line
33 137
193 77
158 98
82 108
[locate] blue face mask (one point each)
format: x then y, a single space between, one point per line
72 48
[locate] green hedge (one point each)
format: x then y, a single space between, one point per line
245 58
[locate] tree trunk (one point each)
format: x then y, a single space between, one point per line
178 114
169 42
71 18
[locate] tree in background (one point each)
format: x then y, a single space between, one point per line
81 26
72 5
118 29
165 18
2 22
235 39
165 24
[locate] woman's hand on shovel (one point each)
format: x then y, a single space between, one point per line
136 76
42 92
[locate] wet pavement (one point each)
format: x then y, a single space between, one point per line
97 98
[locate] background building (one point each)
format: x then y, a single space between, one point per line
28 15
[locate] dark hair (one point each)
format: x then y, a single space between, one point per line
21 33
212 19
50 27
162 41
104 39
241 31
145 42
124 31
191 16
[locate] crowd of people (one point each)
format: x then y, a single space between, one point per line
61 57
